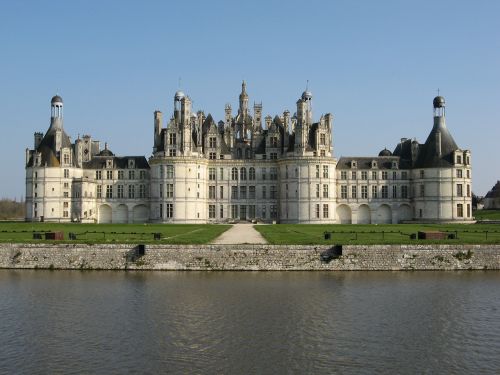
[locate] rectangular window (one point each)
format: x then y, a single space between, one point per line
354 192
404 175
234 192
98 175
221 211
160 190
325 171
374 175
273 173
317 171
221 173
251 211
322 153
273 192
385 192
172 139
211 211
317 190
211 194
243 192
364 192
243 212
131 175
353 175
109 175
459 173
273 155
343 192
66 173
251 173
142 175
404 192
170 210
394 175
460 210
322 139
142 191
65 214
172 152
99 191
120 175
65 204
468 210
131 191
211 174
109 191
459 159
422 190
422 174
234 211
374 191
343 175
273 211
251 192
325 191
468 173
364 175
468 190
325 211
170 190
161 210
120 191
212 143
384 175
394 191
264 194
263 173
212 155
459 190
273 141
221 192
317 211
170 171
234 174
263 212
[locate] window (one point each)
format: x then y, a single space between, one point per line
170 210
172 139
404 175
142 175
374 175
460 210
243 192
459 159
384 175
65 204
66 194
251 173
66 185
459 190
251 192
364 175
161 210
221 192
211 211
322 153
234 211
212 143
99 191
172 152
273 155
160 190
468 190
374 191
273 192
404 192
459 173
243 174
66 173
325 191
468 160
221 156
211 174
221 213
170 171
234 174
317 190
212 155
234 192
325 171
120 175
343 192
273 211
422 174
120 191
353 175
364 192
109 191
263 172
317 171
131 175
468 210
109 175
468 173
65 214
251 211
273 142
422 190
343 175
273 173
354 192
142 191
263 212
131 191
325 211
394 175
98 175
170 190
322 139
317 211
221 173
394 191
264 192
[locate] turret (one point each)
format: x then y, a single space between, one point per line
243 110
158 119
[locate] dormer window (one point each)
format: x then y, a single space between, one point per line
374 164
459 159
109 163
354 164
131 163
394 165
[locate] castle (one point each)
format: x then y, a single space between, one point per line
246 167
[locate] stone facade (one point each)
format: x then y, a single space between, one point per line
250 257
246 167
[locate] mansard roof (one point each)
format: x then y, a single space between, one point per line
119 162
364 162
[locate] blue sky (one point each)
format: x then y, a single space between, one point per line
376 65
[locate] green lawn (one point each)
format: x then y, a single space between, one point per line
306 234
114 233
487 214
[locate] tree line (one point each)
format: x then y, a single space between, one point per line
11 209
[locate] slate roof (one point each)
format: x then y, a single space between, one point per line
47 148
119 162
494 192
363 162
428 154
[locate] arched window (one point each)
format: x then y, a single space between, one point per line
243 174
234 173
251 173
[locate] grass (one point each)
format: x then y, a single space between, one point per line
21 232
309 234
486 214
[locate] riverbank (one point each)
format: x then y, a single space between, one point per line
250 257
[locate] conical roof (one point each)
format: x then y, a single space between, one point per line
494 192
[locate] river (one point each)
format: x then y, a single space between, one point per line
112 322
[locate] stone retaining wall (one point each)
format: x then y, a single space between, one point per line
249 257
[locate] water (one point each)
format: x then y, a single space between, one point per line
76 322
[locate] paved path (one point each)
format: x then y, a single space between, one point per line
238 234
